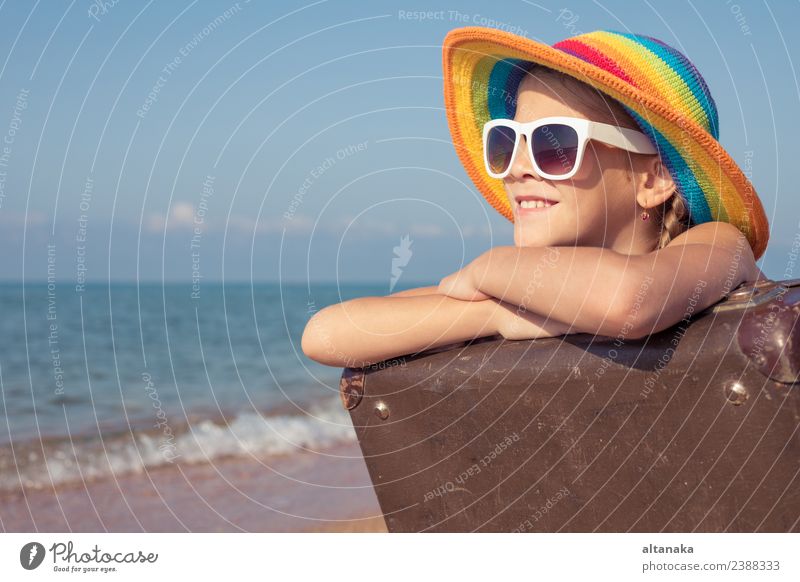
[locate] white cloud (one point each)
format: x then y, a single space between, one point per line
181 217
182 214
426 230
470 231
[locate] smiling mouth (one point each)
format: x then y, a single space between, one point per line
528 204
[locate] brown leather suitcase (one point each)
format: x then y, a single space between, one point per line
691 429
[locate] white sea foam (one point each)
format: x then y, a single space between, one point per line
325 424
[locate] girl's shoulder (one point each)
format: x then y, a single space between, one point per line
725 235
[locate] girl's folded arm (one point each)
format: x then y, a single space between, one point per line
600 291
367 330
586 288
703 265
415 291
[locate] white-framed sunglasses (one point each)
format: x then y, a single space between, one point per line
555 144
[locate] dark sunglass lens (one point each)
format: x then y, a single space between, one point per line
555 148
500 147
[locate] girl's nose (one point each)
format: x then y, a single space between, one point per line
521 165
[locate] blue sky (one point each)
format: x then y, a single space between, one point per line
310 137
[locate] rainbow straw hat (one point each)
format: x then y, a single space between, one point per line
657 85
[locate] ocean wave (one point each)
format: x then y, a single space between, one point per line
40 464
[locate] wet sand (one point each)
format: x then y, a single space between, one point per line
326 491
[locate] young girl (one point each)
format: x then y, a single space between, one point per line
628 214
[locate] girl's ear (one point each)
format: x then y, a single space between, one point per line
657 185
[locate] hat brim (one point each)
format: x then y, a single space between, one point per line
468 54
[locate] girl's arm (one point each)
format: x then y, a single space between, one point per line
600 291
367 330
433 289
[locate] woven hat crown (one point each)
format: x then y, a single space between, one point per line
653 67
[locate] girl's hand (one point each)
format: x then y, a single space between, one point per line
460 285
515 323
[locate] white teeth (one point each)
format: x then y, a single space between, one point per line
535 204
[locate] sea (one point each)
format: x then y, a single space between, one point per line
110 379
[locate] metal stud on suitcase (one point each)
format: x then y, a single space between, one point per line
691 429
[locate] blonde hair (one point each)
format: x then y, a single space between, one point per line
675 219
673 214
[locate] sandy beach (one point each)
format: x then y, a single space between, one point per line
326 491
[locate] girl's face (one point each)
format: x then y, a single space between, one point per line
597 206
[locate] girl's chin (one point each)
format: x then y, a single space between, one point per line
534 228
523 239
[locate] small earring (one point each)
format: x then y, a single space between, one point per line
645 215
